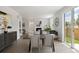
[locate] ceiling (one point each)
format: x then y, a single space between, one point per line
34 11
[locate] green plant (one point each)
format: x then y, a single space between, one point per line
47 29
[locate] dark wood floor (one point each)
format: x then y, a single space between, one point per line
19 46
22 46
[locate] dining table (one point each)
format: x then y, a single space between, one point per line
43 38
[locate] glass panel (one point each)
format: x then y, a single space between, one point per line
76 28
68 27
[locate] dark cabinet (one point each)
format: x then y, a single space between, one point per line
12 36
7 38
1 41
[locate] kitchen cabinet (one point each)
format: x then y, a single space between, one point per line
7 39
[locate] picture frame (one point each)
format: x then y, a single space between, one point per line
56 23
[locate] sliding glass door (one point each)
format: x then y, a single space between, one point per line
76 28
67 17
72 28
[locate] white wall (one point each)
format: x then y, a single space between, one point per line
60 15
47 19
52 22
13 20
35 20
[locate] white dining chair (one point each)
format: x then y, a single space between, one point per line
35 42
49 41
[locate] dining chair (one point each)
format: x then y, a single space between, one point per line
49 41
